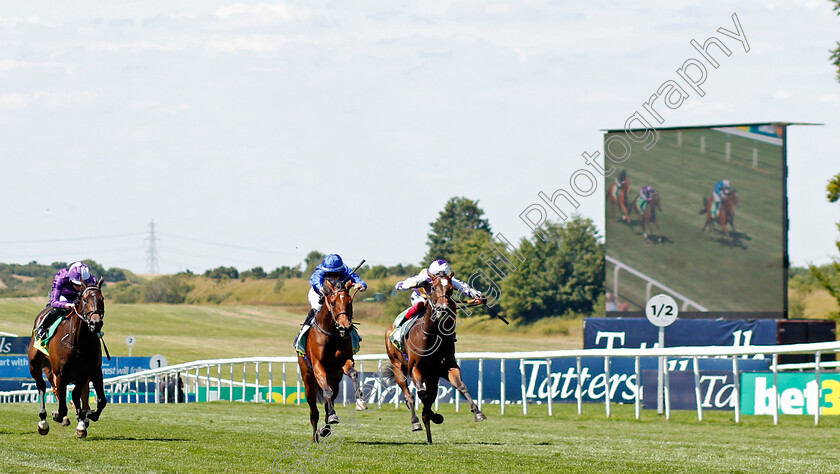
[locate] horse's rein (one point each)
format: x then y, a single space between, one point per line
333 315
86 316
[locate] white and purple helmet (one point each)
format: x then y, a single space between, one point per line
440 267
78 273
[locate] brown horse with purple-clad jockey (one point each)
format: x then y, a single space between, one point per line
329 354
430 355
75 356
648 215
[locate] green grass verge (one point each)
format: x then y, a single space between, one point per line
235 437
185 333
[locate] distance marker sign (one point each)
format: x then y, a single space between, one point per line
661 310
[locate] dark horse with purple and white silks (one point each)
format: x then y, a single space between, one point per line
329 354
430 355
75 356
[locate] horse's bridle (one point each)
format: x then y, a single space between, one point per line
333 315
86 316
439 310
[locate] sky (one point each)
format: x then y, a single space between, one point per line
253 133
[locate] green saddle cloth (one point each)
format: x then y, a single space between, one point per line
41 345
300 344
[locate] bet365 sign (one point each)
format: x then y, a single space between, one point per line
798 394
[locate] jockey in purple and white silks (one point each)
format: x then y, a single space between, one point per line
722 189
420 284
645 195
66 289
333 268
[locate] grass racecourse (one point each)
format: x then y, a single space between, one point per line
714 271
237 437
248 437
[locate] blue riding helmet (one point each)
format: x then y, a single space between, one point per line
333 263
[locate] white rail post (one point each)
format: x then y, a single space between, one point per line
638 398
257 396
607 385
502 400
481 383
219 377
284 382
819 388
667 389
524 389
379 386
231 383
775 369
458 395
579 390
697 396
737 390
297 394
548 386
270 384
344 390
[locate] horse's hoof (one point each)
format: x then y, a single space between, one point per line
416 426
333 419
81 433
361 405
56 418
480 416
325 431
43 428
65 421
436 418
93 416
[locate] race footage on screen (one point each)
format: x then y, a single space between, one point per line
700 215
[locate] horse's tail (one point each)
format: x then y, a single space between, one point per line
388 375
705 205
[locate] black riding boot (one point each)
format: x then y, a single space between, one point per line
48 321
309 316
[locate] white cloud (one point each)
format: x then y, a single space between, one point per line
782 95
261 44
30 20
830 98
21 100
12 64
134 46
242 14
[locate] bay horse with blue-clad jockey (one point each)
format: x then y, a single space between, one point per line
430 355
329 354
725 214
75 356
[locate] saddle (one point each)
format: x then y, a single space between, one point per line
397 336
300 344
42 345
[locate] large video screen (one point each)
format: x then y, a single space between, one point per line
700 215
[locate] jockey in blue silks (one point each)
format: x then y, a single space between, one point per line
66 289
333 268
722 189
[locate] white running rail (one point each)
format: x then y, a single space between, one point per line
651 283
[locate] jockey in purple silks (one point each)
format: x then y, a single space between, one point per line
66 289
